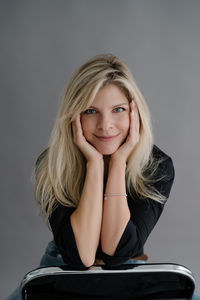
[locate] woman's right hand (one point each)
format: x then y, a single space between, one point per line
90 153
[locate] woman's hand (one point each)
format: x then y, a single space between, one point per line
133 137
90 153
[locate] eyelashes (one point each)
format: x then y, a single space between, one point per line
123 109
89 111
92 111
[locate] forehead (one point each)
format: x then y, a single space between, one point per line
110 95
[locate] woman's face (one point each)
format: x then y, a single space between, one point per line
105 124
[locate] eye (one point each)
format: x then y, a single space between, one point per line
92 111
89 111
119 109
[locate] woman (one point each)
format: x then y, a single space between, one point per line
101 183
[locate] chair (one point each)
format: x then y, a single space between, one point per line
131 281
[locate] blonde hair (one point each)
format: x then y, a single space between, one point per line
60 170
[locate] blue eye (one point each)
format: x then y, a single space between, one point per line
123 109
90 111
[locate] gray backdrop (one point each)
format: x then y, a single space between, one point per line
42 43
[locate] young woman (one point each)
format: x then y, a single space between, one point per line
101 183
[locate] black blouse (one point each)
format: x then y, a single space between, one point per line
144 216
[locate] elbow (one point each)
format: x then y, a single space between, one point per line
87 256
79 261
109 249
87 261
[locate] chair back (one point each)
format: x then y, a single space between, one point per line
128 281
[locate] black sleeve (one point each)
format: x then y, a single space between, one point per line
64 236
144 216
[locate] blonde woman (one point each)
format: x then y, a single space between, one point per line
101 183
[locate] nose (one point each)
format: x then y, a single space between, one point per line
105 122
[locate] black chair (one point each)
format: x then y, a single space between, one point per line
127 281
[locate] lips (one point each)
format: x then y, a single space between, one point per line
106 138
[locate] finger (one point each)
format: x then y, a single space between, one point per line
77 128
137 125
137 116
134 119
74 125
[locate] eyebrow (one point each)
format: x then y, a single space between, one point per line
111 106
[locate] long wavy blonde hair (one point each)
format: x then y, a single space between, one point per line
60 170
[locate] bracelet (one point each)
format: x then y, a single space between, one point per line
111 195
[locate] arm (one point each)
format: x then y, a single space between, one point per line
145 213
116 212
86 219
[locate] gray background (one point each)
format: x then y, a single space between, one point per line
42 43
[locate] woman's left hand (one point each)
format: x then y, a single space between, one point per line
133 137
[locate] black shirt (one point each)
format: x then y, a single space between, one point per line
144 216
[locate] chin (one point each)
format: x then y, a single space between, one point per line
107 151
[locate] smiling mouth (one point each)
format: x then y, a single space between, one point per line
106 138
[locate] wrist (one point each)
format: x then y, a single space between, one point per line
98 164
117 162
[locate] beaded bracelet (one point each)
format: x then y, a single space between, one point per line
111 195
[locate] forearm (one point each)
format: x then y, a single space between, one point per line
86 219
116 212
